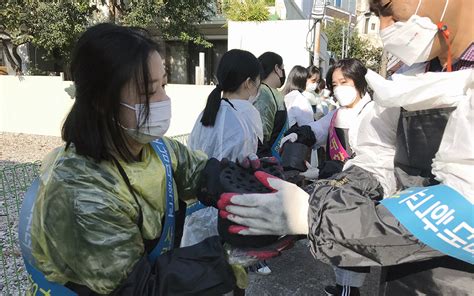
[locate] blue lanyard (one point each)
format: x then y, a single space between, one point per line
39 284
167 235
276 146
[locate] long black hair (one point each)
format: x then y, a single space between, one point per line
268 60
234 68
350 68
296 80
106 58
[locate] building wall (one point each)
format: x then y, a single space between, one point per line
287 38
39 104
347 5
367 23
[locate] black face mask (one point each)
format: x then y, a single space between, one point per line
282 78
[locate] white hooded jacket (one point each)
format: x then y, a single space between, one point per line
235 133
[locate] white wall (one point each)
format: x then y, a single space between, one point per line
33 104
39 104
188 101
286 38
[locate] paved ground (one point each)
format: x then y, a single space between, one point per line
296 272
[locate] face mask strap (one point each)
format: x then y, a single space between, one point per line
443 29
418 7
128 106
444 10
277 73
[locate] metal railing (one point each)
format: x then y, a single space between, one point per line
14 181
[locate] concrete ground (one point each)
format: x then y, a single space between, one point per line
296 272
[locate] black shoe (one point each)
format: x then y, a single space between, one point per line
339 290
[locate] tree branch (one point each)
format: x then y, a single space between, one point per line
13 58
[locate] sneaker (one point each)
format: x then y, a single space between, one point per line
330 290
341 291
261 268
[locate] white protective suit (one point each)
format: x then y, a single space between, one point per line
234 136
347 118
299 109
377 137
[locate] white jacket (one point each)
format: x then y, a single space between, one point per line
372 135
299 109
453 165
347 118
234 135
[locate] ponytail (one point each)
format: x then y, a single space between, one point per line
212 107
234 68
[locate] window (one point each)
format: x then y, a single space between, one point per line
366 27
372 27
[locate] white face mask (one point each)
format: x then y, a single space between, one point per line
411 41
345 94
312 86
157 124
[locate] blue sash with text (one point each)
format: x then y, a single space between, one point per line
438 216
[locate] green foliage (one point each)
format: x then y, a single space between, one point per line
246 10
334 32
59 26
174 19
141 13
178 16
54 25
15 22
50 25
359 48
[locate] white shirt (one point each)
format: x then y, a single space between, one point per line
299 109
234 135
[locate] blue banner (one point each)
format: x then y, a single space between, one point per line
438 216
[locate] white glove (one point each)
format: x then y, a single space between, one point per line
291 137
311 173
284 211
